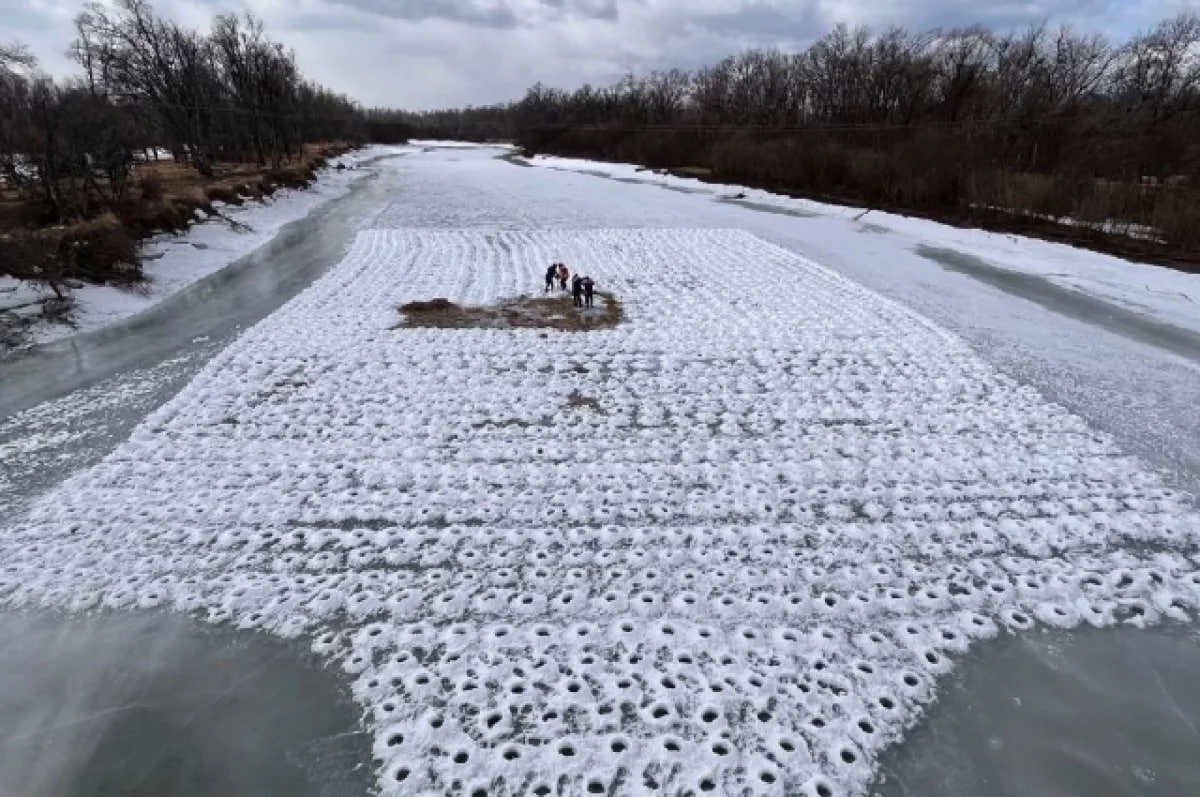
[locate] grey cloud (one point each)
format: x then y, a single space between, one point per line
591 9
484 13
946 14
758 19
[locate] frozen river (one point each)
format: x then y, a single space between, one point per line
740 541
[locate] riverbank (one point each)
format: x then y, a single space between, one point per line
169 261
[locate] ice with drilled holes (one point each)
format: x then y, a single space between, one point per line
726 547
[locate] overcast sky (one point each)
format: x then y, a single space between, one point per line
437 53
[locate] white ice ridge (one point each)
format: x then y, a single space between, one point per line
726 547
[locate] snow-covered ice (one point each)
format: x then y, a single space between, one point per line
172 262
791 504
1170 295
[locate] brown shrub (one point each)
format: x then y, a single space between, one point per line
1175 218
223 193
292 177
30 256
101 250
151 186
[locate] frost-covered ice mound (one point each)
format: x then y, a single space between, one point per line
726 546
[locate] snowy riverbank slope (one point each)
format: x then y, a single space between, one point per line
172 262
730 544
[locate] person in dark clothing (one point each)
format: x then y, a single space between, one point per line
551 273
577 290
589 290
564 274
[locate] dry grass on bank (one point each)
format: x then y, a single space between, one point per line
521 313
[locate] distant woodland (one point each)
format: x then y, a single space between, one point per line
1014 130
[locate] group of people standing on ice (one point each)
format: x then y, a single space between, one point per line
583 289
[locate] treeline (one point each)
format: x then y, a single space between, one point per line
1002 127
149 83
149 87
483 124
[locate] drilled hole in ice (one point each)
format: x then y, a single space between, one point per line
595 787
618 746
817 722
707 785
823 790
401 775
764 716
866 726
658 712
511 754
709 715
493 719
566 750
848 756
479 793
887 703
541 790
766 776
720 749
395 739
911 681
668 683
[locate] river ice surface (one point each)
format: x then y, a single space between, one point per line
785 509
1069 525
